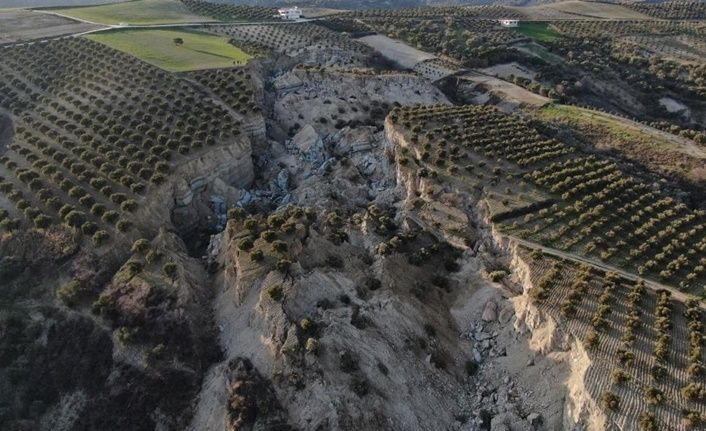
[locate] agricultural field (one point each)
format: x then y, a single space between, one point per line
226 12
135 12
598 210
296 39
92 164
644 349
671 9
539 31
161 48
579 10
671 156
23 25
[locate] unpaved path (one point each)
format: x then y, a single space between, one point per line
676 294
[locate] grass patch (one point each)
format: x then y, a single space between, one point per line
157 47
660 152
538 31
135 12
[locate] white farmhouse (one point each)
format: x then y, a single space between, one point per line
509 22
290 13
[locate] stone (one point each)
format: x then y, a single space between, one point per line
283 180
489 312
535 420
476 355
506 314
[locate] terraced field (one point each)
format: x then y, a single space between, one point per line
597 209
96 132
645 349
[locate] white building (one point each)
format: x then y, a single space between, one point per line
509 22
290 13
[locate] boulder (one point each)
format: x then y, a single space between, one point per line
490 312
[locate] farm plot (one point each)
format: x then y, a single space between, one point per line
669 155
174 50
135 12
681 48
96 133
294 39
604 29
673 9
645 349
24 25
226 12
597 210
579 10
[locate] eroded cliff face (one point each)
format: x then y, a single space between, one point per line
381 315
545 339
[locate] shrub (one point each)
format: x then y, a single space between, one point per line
104 305
75 218
283 265
245 244
140 246
110 217
279 246
312 345
268 235
70 292
170 269
257 256
126 335
236 214
619 376
496 276
648 421
694 391
42 221
654 396
123 225
133 267
89 228
129 205
275 292
153 354
99 237
610 401
591 339
153 256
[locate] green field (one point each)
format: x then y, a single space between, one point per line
538 31
156 46
135 12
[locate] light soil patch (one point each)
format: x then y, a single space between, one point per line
579 10
158 47
507 90
505 70
537 50
399 52
660 151
673 106
19 25
135 12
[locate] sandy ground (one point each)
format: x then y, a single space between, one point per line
399 52
505 70
506 89
21 25
579 10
